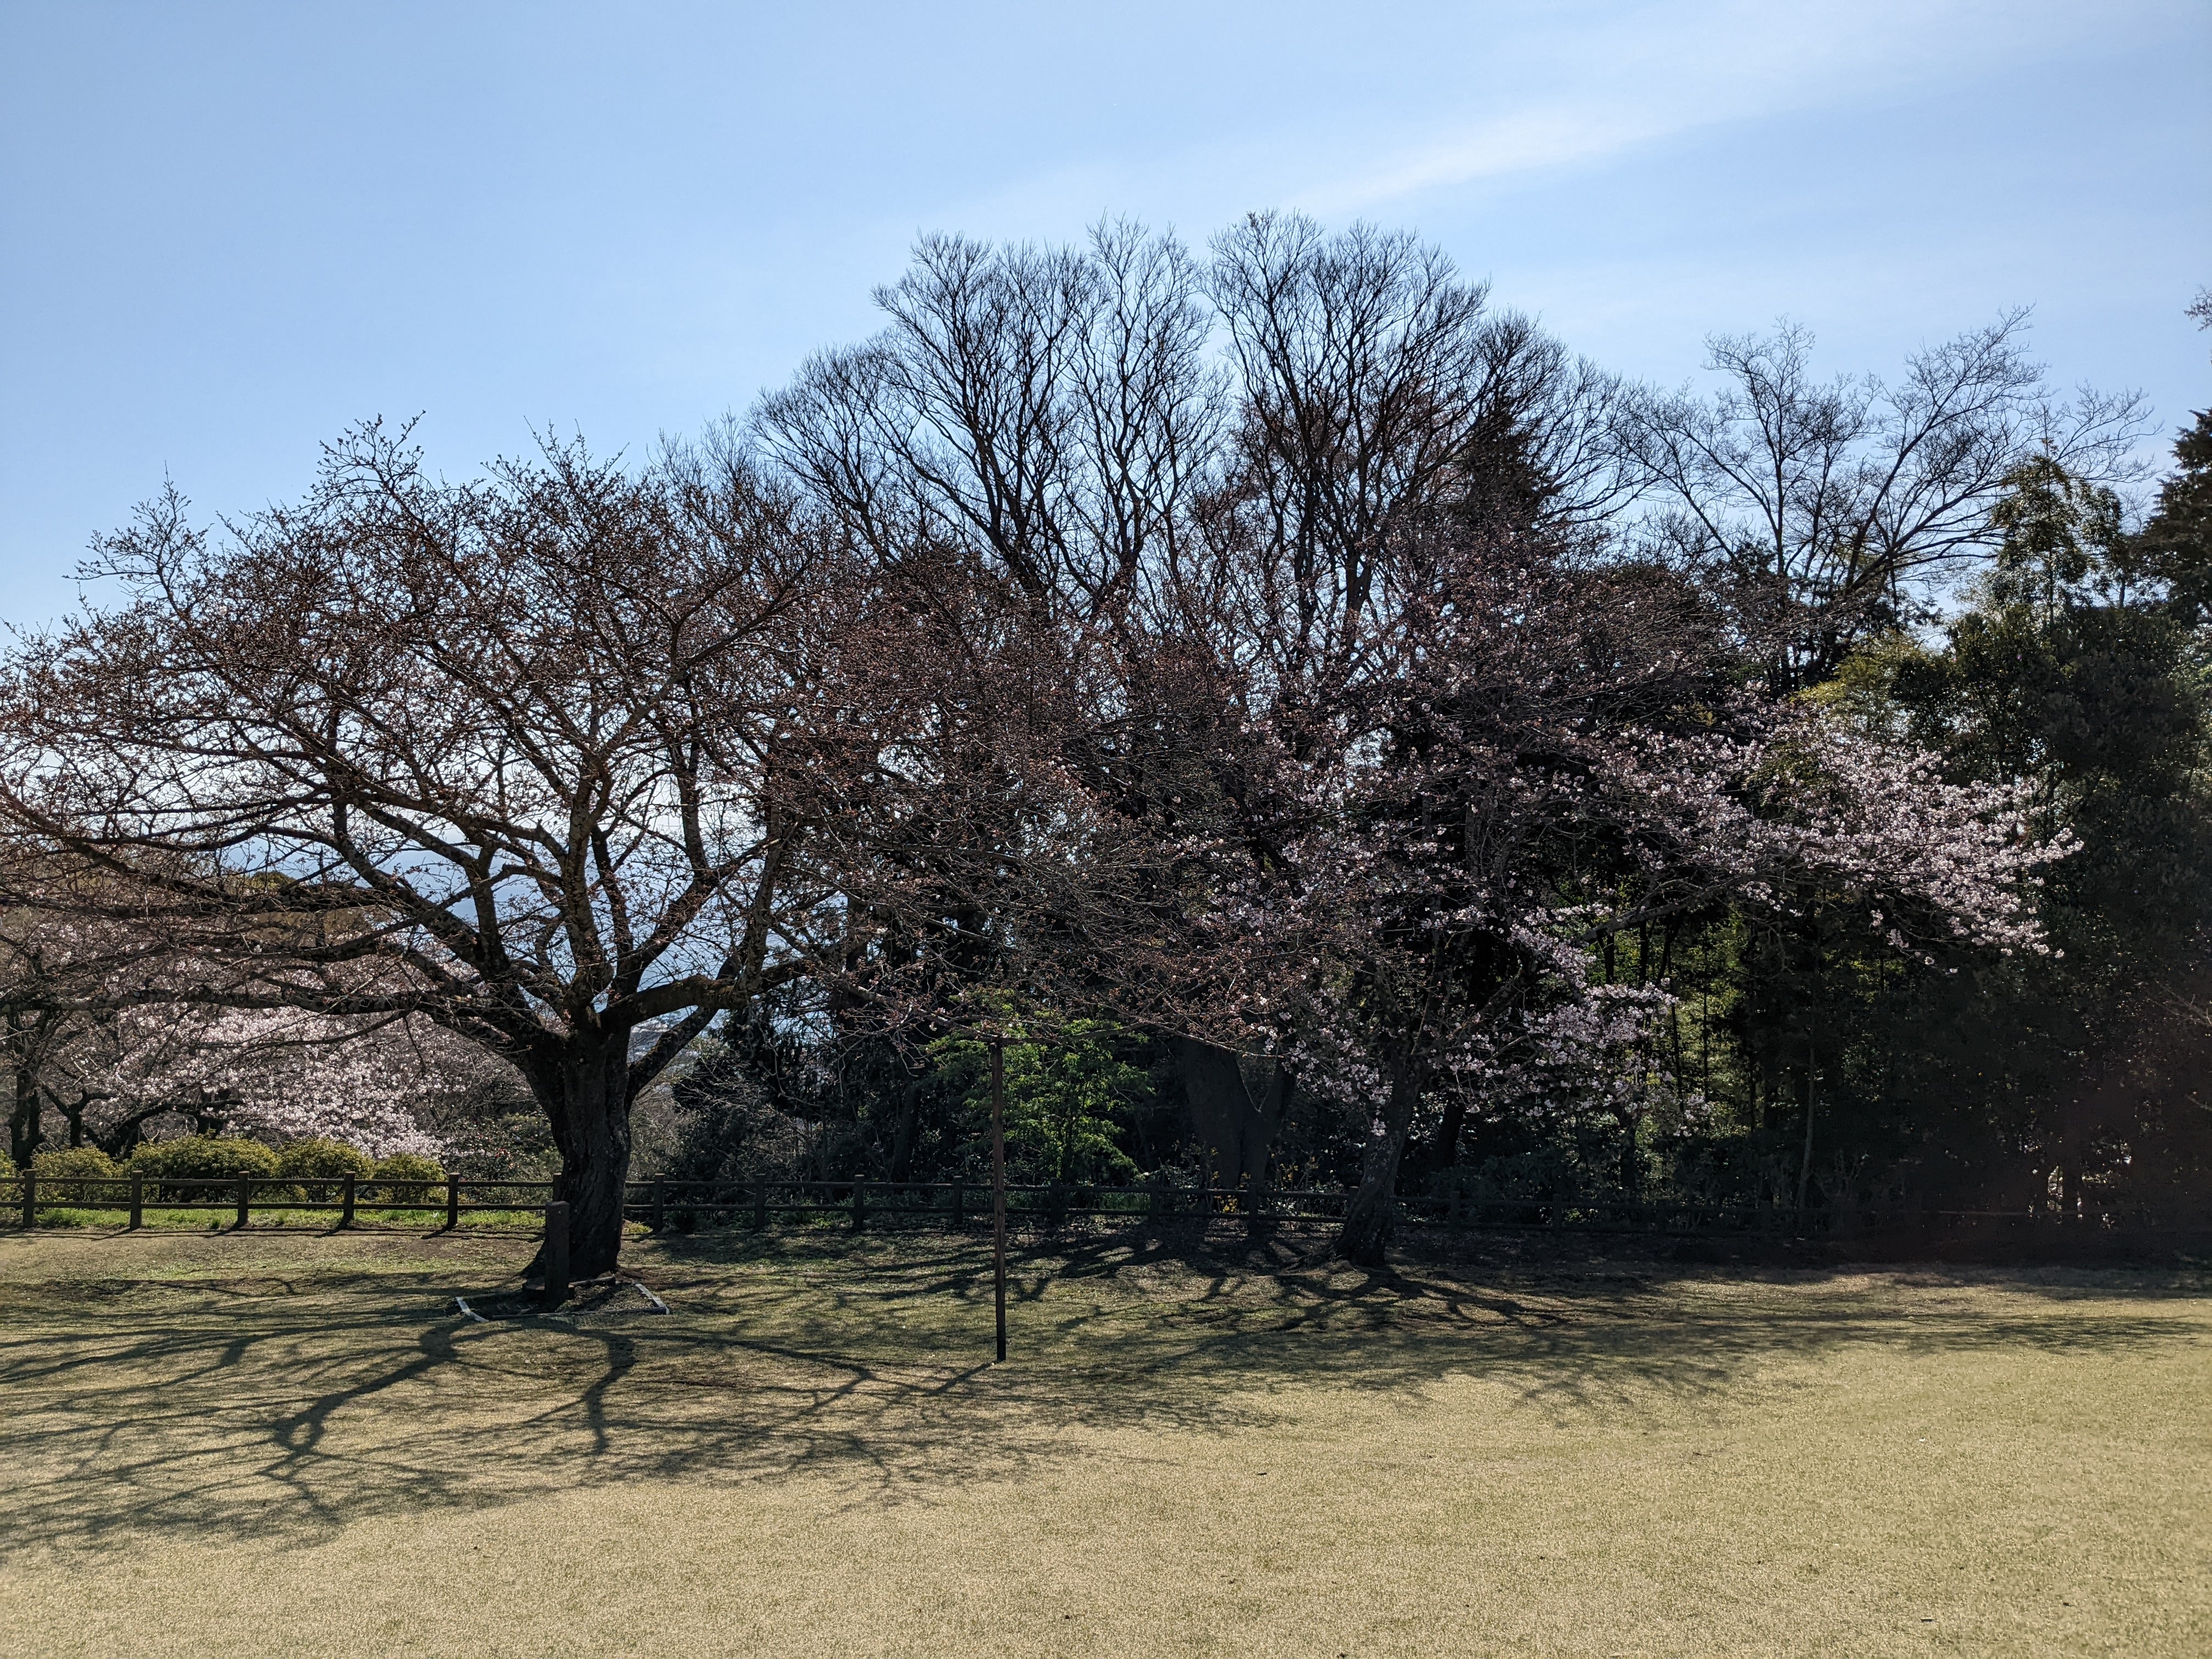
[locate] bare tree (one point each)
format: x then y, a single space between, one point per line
533 757
1028 450
1208 560
1047 412
1835 506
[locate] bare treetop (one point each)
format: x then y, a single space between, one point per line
1837 504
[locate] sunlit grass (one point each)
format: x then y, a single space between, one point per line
274 1442
205 1218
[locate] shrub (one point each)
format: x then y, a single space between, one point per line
318 1159
73 1164
406 1177
204 1158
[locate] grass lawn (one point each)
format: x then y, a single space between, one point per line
217 1219
284 1443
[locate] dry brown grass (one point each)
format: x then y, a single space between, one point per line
284 1444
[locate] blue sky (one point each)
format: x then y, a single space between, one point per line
227 231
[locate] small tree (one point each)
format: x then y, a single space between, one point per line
1066 1095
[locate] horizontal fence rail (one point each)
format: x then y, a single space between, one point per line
664 1203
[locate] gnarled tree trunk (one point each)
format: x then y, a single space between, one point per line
24 1130
1368 1220
584 1089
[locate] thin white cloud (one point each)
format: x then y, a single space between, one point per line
1571 97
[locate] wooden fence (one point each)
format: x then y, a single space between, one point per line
860 1204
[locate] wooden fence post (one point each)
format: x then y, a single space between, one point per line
860 1206
30 1180
660 1203
137 1199
245 1197
999 1187
345 1203
555 1290
452 1202
759 1207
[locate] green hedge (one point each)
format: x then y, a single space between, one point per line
319 1166
310 1171
407 1178
74 1164
204 1158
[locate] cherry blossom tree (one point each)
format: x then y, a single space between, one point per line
100 1033
275 1074
532 758
1455 887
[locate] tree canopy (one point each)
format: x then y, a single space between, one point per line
1382 745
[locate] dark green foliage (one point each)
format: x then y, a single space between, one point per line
731 1129
2012 1082
744 1109
1067 1100
2100 699
2175 547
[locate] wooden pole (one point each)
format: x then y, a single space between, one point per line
998 1184
555 1291
137 1199
345 1203
452 1202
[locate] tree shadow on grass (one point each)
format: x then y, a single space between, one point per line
282 1406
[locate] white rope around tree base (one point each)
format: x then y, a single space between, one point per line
659 1306
639 1285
